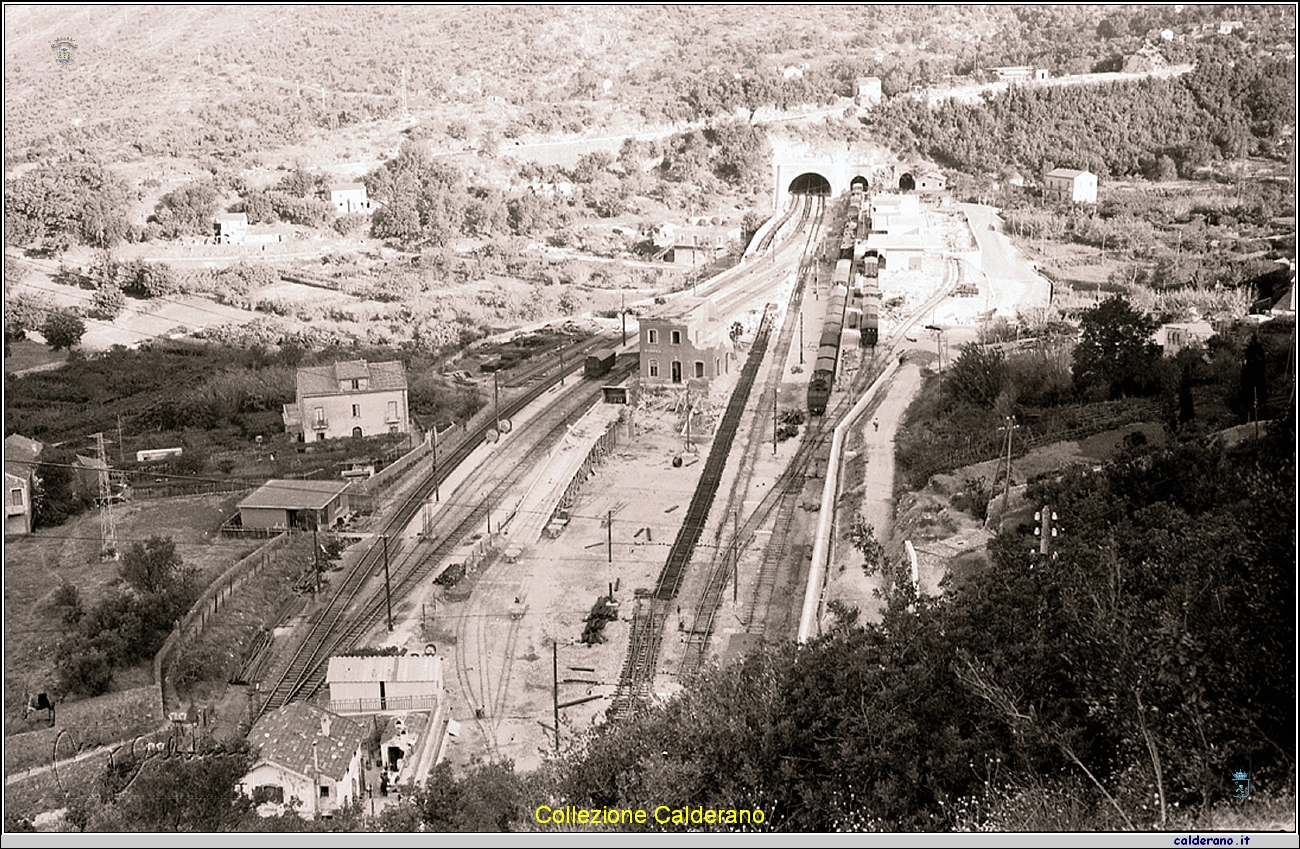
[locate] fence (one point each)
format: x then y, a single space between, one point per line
389 703
172 488
604 445
1106 416
217 593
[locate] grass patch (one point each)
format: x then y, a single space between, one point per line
204 662
35 565
25 354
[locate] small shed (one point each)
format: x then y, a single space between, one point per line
302 504
360 685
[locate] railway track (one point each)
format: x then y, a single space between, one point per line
783 497
721 567
647 632
305 669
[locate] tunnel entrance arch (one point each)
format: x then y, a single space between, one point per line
859 184
907 182
809 183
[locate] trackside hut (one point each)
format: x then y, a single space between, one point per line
302 504
360 685
307 754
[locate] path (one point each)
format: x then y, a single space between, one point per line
877 509
1013 283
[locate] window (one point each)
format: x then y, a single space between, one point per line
654 368
392 411
699 368
320 436
16 497
677 337
652 337
320 416
356 383
324 791
356 411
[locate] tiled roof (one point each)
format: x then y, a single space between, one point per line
324 380
1066 172
233 217
286 737
348 187
388 668
295 494
20 449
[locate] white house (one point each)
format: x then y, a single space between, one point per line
349 198
307 754
1070 186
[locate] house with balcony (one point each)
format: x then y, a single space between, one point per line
682 341
307 754
352 398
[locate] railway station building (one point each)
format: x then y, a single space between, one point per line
684 340
351 398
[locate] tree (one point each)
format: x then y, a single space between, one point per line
63 330
1115 353
107 303
144 280
25 311
187 210
153 566
977 376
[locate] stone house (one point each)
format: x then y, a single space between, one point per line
350 398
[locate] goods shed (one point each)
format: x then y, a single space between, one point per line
301 504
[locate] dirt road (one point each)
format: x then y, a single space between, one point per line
1013 283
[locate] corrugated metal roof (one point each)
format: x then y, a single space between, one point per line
324 380
294 495
387 668
286 738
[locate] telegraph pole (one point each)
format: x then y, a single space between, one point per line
315 550
622 313
435 462
496 401
1006 494
773 421
609 532
555 691
388 593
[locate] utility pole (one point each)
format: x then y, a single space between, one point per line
801 335
688 415
774 390
315 551
555 691
622 313
388 592
735 556
435 462
609 532
1006 494
496 401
